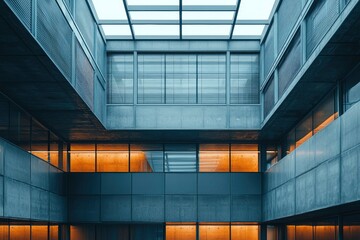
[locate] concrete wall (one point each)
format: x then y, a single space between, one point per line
164 197
322 172
30 188
183 117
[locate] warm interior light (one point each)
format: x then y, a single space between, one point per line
82 161
244 161
245 232
325 123
139 162
214 232
180 232
39 232
112 161
214 161
19 232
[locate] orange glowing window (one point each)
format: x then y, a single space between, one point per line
146 158
290 232
326 232
244 158
244 232
4 231
180 232
54 232
139 162
112 158
18 232
39 232
214 158
351 232
82 158
214 232
325 123
304 232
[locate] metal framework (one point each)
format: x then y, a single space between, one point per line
181 20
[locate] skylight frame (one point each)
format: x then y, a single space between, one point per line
182 9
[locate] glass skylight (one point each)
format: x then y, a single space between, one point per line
206 30
165 19
116 30
248 30
156 30
255 9
110 9
155 15
208 15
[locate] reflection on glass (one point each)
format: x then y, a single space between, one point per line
146 158
180 232
180 158
214 158
82 158
19 232
39 232
244 158
304 131
112 158
214 232
245 232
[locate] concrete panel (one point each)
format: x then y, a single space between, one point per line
180 208
17 163
39 173
84 209
321 185
245 183
285 199
39 204
2 156
116 208
58 208
305 192
148 208
145 117
115 183
329 136
349 175
1 196
180 183
333 173
213 208
246 208
350 124
304 162
120 117
192 117
215 117
148 183
84 183
56 180
245 117
168 117
213 183
16 199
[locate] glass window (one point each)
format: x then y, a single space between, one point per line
82 158
39 232
244 158
181 79
304 232
303 131
180 232
180 158
325 232
151 78
352 89
18 232
112 158
146 158
244 80
211 78
214 158
325 113
351 228
4 232
244 232
39 141
214 232
54 232
120 78
269 97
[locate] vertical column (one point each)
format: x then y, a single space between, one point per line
303 41
263 235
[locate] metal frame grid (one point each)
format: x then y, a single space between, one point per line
179 20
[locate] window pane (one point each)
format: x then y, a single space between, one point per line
19 232
151 78
146 158
214 158
54 232
180 158
110 158
244 232
211 78
304 232
82 158
244 79
120 79
214 232
325 113
244 158
304 131
39 232
181 79
182 232
4 232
